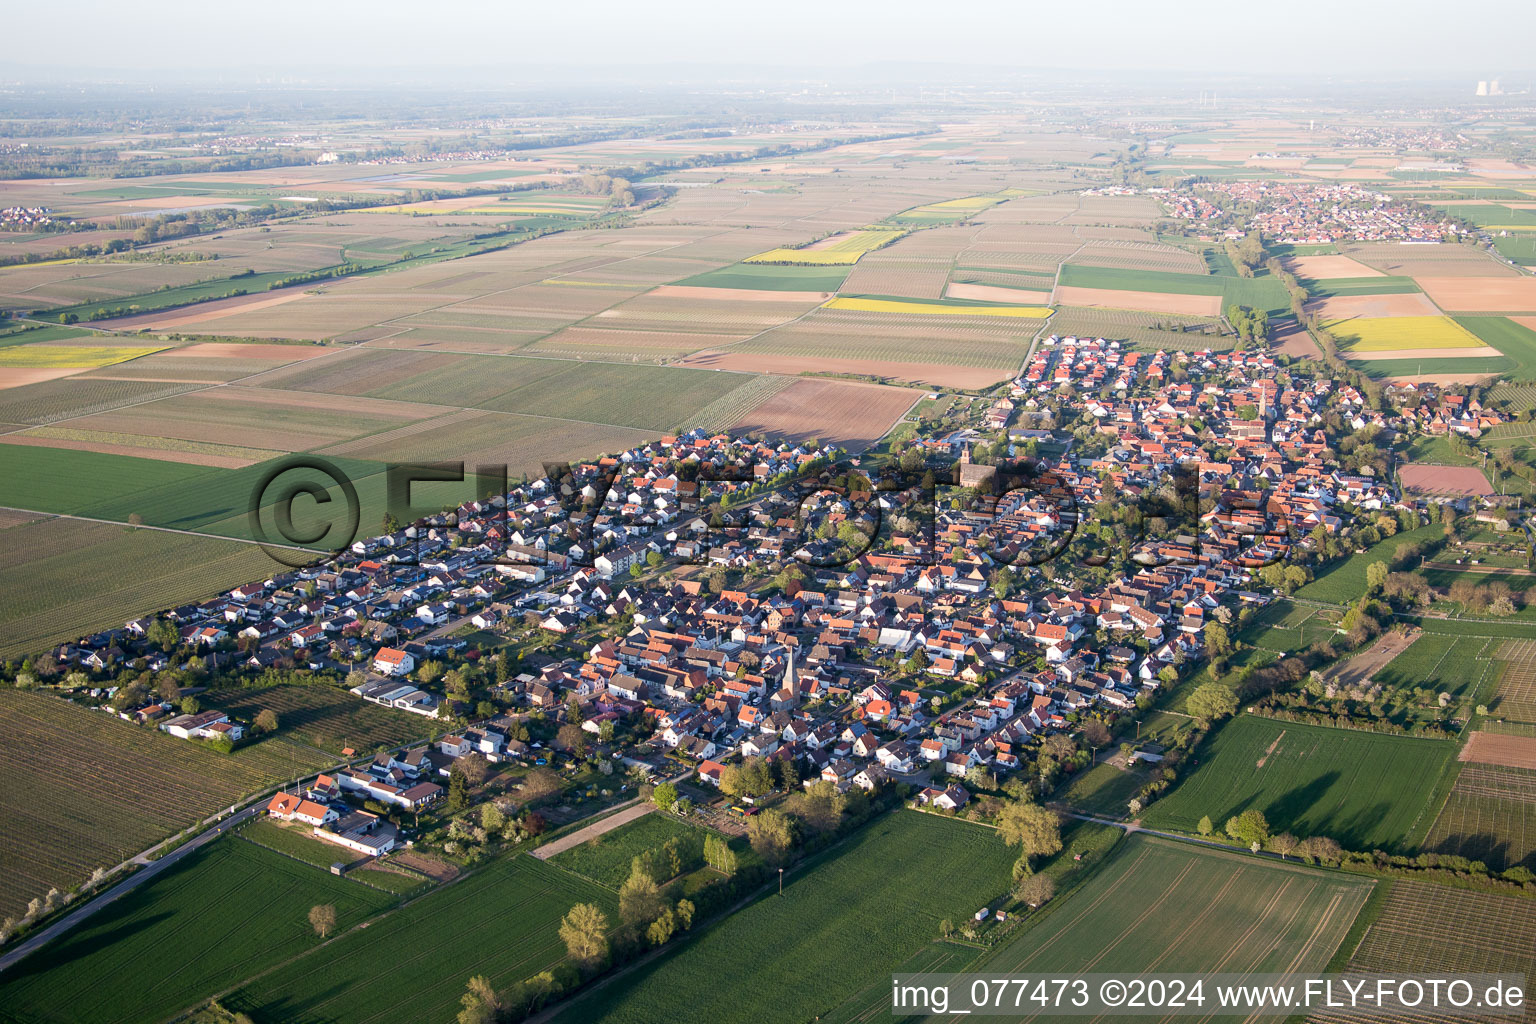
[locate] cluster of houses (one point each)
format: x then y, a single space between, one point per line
803 670
1299 212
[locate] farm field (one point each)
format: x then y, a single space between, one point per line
1143 329
324 716
1459 481
1103 789
606 858
1428 928
1515 340
1430 335
502 922
61 815
852 415
871 903
766 277
1285 626
1477 294
52 588
1516 697
1459 665
1367 790
1490 816
865 304
226 912
1158 906
1343 581
1505 749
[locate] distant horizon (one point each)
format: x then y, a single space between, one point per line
1413 40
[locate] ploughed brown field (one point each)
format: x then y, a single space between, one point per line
1342 307
1327 268
1495 294
1493 748
842 412
1154 302
1431 479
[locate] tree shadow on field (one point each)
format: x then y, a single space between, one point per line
1492 850
81 944
1285 812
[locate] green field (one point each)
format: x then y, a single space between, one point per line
413 964
324 716
606 859
1285 627
1103 789
1343 581
1367 790
766 277
1262 292
1161 906
63 813
1338 286
61 480
227 912
872 903
1517 342
1383 369
61 579
295 841
1460 666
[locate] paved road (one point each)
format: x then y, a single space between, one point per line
133 881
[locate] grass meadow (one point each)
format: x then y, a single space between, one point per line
226 912
874 901
1367 790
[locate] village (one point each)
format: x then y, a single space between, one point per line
1304 212
939 652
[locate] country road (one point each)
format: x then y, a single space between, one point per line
635 809
133 881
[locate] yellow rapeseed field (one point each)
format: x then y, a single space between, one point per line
81 357
1391 333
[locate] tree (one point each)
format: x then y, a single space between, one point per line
585 933
665 796
322 918
1095 734
492 818
750 778
1284 844
719 855
771 834
474 768
640 899
458 791
1035 889
482 1004
266 721
1212 701
1034 829
1216 639
1205 827
1375 577
572 738
191 705
1249 827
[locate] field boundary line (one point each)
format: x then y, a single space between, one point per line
161 529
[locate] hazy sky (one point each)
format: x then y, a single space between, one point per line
387 38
